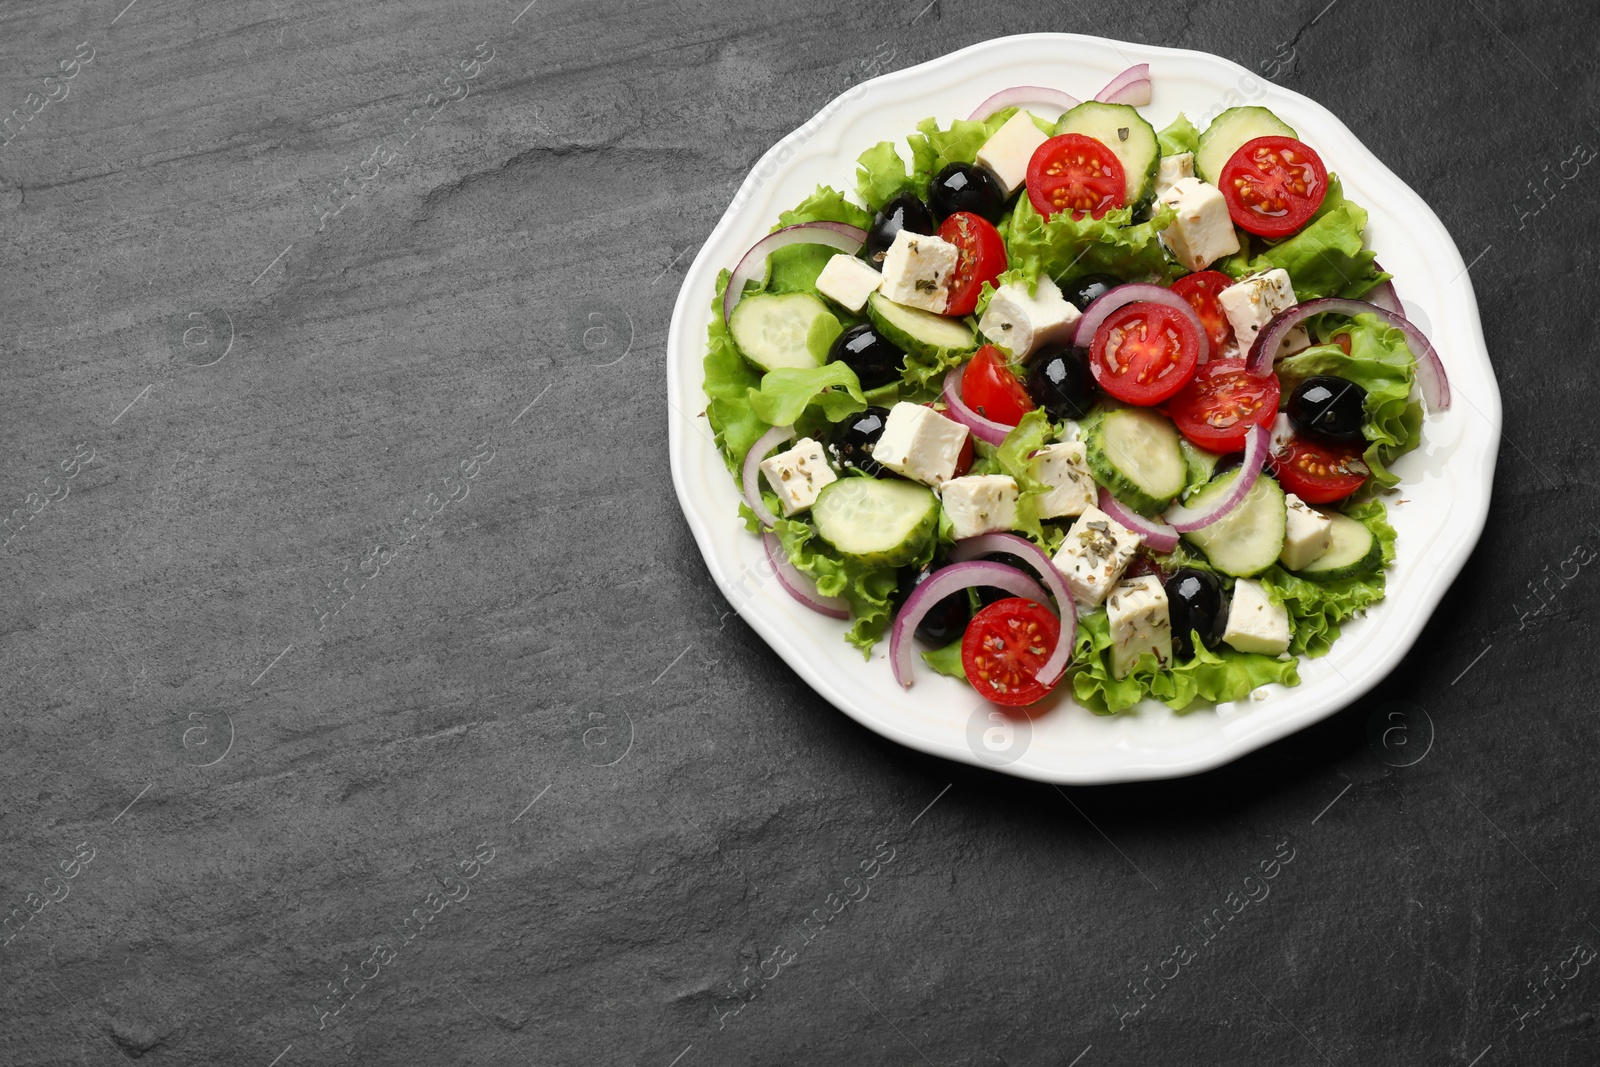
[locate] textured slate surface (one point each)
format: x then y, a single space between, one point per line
534 722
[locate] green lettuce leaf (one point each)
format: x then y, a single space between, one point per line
729 381
1217 676
1064 248
947 660
1179 136
881 175
868 589
933 148
785 393
1382 364
795 269
1327 257
1317 608
1011 457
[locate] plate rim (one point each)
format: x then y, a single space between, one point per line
1174 762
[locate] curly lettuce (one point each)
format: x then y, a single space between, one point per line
1217 676
881 173
1179 136
1381 363
1064 248
795 269
869 589
1317 608
1014 457
1328 257
729 381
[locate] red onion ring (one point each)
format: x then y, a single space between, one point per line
983 429
951 579
838 235
1431 378
1132 86
1018 95
1158 535
1123 295
1256 446
1383 294
1024 549
798 585
751 473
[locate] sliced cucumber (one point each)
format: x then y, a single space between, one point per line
1231 129
771 329
1250 538
1131 139
914 330
883 522
1353 551
1135 454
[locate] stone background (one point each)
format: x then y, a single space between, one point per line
268 704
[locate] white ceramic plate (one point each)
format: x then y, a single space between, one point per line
1445 488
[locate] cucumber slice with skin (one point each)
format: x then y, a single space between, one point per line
1249 538
1131 139
1135 454
771 329
914 330
1229 131
1353 551
885 522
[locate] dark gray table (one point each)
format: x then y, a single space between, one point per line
365 697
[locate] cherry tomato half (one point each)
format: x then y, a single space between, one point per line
1144 353
983 259
1005 645
1220 404
1077 173
1320 474
989 388
1273 185
1201 291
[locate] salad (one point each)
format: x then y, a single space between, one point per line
1076 402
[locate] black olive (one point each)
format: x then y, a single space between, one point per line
964 187
1060 381
904 212
851 441
988 594
947 619
1328 409
875 361
1089 288
1195 602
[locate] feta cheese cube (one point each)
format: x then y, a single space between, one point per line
798 475
1007 153
980 504
1140 623
920 444
848 281
1307 536
1064 469
917 270
1094 554
1255 623
1173 167
1202 232
1021 323
1251 302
